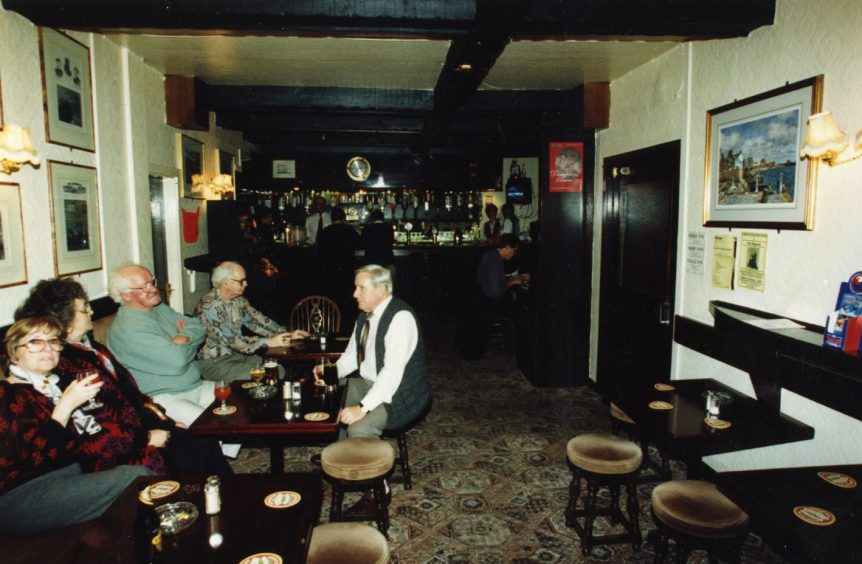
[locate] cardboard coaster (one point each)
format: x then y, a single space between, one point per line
282 500
814 515
247 385
660 405
717 423
163 489
343 339
231 409
262 558
838 479
316 416
662 387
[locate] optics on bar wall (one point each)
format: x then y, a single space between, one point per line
16 148
825 141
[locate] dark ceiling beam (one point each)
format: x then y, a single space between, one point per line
232 98
251 120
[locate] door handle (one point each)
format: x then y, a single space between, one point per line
664 314
168 291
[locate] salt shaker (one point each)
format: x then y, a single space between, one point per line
212 496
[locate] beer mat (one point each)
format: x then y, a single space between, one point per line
717 423
316 416
662 387
163 489
662 405
281 500
838 479
342 338
262 558
814 515
247 385
229 410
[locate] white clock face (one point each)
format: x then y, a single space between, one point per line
358 168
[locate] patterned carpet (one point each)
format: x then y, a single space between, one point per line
490 481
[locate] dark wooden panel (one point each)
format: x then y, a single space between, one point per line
184 103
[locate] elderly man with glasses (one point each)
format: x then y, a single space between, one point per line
158 345
227 354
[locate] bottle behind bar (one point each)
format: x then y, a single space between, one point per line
148 532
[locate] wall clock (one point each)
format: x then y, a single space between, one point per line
358 168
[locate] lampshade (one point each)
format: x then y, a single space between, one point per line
197 179
824 140
222 182
16 148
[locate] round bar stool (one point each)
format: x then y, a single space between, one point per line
603 460
622 424
335 543
357 463
696 515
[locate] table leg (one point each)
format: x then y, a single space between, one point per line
276 459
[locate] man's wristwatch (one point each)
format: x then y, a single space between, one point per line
364 409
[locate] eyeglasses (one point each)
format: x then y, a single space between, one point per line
147 285
39 345
87 310
241 281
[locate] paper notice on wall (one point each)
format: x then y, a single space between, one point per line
752 261
695 253
723 261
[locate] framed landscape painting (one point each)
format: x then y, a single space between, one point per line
75 218
66 90
753 174
13 267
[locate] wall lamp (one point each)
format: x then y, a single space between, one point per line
16 149
825 141
221 183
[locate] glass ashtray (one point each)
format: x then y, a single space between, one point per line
176 517
263 392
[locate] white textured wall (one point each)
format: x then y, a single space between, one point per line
668 98
132 140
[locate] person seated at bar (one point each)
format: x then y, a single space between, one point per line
336 253
158 345
491 274
378 239
317 220
387 351
227 354
511 223
42 484
492 226
135 430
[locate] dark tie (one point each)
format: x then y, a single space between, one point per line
319 225
363 339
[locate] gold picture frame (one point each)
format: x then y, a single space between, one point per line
75 218
13 257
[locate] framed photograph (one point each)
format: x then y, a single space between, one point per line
284 169
754 176
1 102
66 90
75 218
13 263
192 157
566 166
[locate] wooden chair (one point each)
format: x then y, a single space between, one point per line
316 314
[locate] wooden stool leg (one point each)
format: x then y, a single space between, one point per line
404 460
633 510
336 503
616 513
382 509
589 515
661 540
574 494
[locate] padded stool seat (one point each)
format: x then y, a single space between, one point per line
356 463
695 513
603 460
335 543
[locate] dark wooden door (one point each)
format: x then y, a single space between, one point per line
639 233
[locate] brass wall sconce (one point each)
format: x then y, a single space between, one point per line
825 141
16 149
221 183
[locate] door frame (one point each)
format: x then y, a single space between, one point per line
173 237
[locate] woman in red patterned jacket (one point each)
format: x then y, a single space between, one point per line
42 431
135 430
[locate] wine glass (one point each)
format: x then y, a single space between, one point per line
256 373
91 403
222 392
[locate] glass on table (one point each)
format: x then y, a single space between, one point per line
222 392
257 372
82 375
270 368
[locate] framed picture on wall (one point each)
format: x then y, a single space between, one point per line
13 264
192 158
753 174
66 90
284 169
75 218
1 101
566 166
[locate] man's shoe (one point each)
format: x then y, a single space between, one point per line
366 506
315 459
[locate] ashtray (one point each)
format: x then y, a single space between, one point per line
263 392
176 517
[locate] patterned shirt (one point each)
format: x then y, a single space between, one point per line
224 320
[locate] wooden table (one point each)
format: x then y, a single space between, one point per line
247 525
769 497
683 433
263 421
309 349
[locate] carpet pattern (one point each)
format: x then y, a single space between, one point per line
490 480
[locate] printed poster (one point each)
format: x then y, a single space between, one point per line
566 162
752 261
695 253
723 261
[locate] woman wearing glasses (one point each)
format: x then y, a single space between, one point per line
42 432
135 429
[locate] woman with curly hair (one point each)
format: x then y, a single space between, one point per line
135 430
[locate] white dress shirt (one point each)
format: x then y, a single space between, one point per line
312 223
401 341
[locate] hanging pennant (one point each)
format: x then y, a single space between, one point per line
191 229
